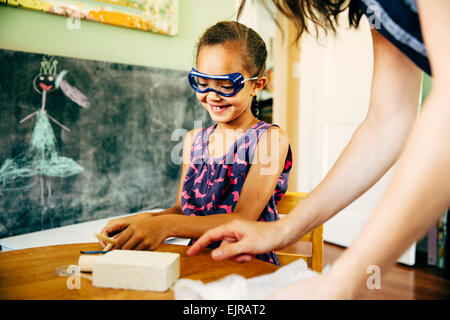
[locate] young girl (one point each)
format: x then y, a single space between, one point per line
237 168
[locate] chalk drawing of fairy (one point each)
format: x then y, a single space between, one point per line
41 159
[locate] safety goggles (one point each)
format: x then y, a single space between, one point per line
224 85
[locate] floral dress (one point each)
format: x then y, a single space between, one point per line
213 185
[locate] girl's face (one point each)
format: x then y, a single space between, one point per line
223 60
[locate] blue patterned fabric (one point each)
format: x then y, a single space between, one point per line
398 21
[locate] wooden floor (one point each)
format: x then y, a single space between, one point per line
402 282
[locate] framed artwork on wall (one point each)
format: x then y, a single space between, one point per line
159 16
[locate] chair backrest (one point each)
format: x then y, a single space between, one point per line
315 260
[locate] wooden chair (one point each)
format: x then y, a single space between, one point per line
286 256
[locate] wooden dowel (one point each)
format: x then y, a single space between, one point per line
105 238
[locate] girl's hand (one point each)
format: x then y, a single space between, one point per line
241 240
142 231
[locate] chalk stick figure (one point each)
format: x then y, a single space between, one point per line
41 159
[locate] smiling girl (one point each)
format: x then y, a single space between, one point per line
235 169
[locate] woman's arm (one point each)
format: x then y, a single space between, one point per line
419 192
373 149
375 145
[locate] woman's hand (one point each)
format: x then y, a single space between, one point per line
143 231
241 240
320 287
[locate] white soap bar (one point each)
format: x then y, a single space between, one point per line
136 270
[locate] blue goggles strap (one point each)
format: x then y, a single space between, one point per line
237 79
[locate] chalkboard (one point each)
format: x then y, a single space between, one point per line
115 131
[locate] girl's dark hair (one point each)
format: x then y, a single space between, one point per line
323 13
247 40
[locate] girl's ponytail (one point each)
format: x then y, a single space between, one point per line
255 106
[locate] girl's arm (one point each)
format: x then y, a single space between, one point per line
186 161
117 225
258 187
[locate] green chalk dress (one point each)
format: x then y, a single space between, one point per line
41 158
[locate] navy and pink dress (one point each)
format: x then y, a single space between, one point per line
213 185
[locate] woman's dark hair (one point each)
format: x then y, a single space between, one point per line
247 40
323 13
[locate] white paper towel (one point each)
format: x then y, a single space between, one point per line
236 287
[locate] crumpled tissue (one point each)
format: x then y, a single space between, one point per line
236 287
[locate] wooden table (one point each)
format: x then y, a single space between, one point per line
31 273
